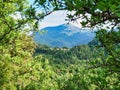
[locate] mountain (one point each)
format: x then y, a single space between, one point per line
65 35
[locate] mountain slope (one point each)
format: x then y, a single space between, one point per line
64 35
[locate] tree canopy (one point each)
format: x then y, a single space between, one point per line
20 69
93 12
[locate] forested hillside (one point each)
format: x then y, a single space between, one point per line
80 52
24 65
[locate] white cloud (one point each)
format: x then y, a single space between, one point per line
56 18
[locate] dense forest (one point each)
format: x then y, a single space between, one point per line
25 65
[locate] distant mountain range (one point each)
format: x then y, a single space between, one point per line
65 35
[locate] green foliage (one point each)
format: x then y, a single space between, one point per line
65 56
82 74
15 60
79 68
44 78
93 79
111 43
17 67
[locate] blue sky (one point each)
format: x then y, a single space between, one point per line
54 19
31 1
